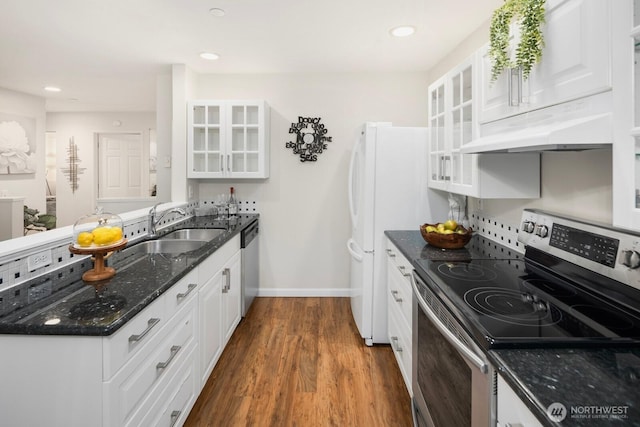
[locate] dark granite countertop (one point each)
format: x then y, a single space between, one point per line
592 383
585 379
139 280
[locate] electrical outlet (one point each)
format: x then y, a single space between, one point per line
40 291
39 260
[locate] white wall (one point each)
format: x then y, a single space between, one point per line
83 127
304 215
31 186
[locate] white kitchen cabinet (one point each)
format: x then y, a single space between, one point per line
626 114
399 310
576 62
511 410
228 139
219 316
453 124
148 372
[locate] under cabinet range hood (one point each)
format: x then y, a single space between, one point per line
581 124
570 135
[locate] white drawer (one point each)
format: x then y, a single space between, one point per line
132 337
401 344
396 257
181 292
177 411
400 293
216 260
138 379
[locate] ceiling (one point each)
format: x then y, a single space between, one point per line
105 55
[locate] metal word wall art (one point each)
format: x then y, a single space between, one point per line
311 138
72 171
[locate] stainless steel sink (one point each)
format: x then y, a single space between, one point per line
167 246
205 234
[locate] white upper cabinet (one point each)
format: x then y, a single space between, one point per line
626 104
228 139
452 125
576 62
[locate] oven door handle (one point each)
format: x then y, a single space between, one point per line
464 350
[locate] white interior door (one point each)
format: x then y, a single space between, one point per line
123 166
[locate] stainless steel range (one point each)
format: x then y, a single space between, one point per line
578 284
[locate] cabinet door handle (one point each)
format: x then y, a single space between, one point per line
227 273
515 97
402 269
228 162
150 324
190 289
396 347
174 350
395 296
447 172
390 253
174 417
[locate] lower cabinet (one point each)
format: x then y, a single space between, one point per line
399 306
511 410
148 373
220 304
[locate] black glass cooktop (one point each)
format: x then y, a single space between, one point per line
504 304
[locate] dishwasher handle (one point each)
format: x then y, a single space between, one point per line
249 233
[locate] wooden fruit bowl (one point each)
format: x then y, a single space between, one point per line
454 240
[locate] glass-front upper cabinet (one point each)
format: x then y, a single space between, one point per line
228 139
626 114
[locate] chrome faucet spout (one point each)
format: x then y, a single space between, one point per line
154 219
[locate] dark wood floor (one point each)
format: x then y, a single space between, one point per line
301 362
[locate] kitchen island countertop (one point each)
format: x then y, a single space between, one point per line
60 303
593 380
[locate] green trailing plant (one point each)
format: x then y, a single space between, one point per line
529 14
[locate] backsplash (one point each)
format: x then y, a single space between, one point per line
497 230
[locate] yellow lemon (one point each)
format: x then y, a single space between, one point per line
101 236
85 238
116 234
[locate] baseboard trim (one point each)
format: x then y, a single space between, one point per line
296 292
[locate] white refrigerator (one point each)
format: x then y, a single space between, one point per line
387 191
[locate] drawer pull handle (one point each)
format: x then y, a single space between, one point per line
190 288
150 324
403 271
396 347
174 350
174 417
390 253
395 296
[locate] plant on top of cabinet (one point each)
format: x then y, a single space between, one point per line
228 139
529 15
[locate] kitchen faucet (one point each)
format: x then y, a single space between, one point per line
153 221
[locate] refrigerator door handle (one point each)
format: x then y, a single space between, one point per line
352 182
354 250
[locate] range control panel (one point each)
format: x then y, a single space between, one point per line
587 245
608 250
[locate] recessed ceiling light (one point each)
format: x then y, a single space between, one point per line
403 31
52 89
216 11
209 56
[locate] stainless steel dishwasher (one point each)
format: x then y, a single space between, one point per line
250 265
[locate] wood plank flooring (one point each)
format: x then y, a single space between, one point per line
301 362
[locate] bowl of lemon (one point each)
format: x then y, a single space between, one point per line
446 235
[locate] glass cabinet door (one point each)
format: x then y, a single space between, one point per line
437 142
461 118
206 146
245 143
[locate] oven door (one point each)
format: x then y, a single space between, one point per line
453 384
